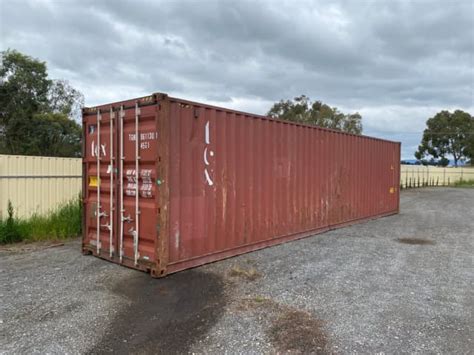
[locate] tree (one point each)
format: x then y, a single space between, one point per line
302 110
469 151
63 98
434 162
447 134
36 113
23 92
56 135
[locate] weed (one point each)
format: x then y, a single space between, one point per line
464 183
260 299
10 229
64 222
251 261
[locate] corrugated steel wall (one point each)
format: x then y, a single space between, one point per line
238 180
37 184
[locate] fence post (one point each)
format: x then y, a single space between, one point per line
406 177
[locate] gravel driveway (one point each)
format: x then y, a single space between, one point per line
399 284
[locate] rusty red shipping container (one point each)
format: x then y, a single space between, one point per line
170 184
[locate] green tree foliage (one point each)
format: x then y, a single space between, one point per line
469 151
56 135
64 99
23 92
448 134
36 113
302 110
435 162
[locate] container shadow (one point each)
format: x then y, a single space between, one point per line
164 316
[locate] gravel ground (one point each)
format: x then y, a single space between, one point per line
400 284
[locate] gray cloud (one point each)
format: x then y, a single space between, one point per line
396 62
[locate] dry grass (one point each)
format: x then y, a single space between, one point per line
256 302
250 274
298 332
289 330
416 241
28 245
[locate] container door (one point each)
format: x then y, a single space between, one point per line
100 182
120 185
137 197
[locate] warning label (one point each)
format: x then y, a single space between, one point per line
93 182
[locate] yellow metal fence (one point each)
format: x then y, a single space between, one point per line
37 184
419 175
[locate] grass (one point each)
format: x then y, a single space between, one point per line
464 183
259 299
251 274
64 222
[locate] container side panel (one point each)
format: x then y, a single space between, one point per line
239 182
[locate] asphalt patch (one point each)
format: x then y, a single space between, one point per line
416 241
164 316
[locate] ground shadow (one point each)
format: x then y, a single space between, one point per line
165 316
416 241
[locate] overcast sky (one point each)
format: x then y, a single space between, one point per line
395 62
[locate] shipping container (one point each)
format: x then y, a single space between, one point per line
170 184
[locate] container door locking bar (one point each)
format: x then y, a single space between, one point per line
137 195
111 174
97 212
122 158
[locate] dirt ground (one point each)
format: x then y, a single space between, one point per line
400 284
